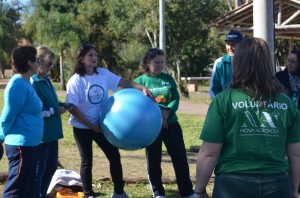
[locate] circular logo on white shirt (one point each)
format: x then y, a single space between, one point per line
96 94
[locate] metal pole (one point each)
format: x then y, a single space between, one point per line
162 30
263 23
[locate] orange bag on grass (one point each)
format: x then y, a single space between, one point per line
68 193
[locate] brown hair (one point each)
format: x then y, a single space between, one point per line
148 56
297 53
20 57
253 71
79 66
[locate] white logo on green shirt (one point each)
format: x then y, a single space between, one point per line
253 104
260 124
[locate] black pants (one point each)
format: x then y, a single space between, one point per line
173 140
84 139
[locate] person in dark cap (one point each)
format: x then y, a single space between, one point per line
222 70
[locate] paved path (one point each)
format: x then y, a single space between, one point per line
192 108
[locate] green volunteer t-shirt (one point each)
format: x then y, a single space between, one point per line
164 90
254 134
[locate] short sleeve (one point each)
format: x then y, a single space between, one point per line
112 79
213 127
72 91
293 130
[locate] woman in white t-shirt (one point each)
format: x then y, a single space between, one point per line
87 90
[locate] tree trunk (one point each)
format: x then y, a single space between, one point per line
182 87
62 76
229 5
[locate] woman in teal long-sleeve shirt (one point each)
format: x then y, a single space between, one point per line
47 154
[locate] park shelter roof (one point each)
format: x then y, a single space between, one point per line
286 18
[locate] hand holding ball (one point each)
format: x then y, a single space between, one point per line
130 120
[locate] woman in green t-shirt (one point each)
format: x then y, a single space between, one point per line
249 130
164 90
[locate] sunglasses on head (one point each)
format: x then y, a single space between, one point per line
86 46
154 49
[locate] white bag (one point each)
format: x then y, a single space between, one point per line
63 177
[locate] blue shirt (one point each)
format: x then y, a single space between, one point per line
21 119
221 75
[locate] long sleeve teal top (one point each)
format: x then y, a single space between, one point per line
46 92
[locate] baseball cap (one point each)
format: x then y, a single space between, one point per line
234 35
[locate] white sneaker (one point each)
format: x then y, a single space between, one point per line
115 195
160 197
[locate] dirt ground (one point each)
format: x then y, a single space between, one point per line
192 108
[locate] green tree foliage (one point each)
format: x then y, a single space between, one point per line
52 23
9 29
65 25
134 25
122 30
189 46
92 18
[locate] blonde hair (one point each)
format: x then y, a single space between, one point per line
45 54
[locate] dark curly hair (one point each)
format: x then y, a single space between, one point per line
148 56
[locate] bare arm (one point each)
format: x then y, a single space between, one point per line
129 84
79 116
293 153
207 158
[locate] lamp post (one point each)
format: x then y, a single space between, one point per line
162 30
263 23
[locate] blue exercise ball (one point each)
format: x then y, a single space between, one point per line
130 120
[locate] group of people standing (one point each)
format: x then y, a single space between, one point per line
31 121
250 128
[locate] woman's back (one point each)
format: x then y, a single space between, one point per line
254 133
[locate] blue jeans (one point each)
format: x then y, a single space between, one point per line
21 171
252 185
47 154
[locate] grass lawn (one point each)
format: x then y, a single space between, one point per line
134 162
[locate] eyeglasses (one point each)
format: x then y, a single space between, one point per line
292 61
50 65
